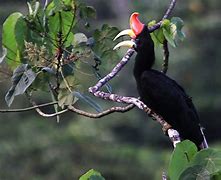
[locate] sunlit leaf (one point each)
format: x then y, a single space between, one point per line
92 175
22 78
14 30
157 36
60 21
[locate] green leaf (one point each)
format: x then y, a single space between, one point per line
14 31
216 176
61 20
22 78
88 100
210 159
66 88
194 173
66 98
180 159
168 33
178 22
79 38
87 11
157 36
92 175
35 6
4 53
103 47
206 163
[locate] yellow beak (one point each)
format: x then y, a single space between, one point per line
125 43
125 32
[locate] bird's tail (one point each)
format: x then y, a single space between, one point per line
204 144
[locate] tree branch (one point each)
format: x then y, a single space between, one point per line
28 108
165 57
102 114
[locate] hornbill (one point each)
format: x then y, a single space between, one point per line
159 92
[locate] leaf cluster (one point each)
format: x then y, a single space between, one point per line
47 52
92 175
170 30
187 163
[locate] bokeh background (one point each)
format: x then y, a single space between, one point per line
120 146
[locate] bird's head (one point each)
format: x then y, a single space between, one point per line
138 32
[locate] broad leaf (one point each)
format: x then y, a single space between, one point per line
92 175
65 95
194 173
61 18
14 31
103 47
157 36
206 163
79 38
22 78
181 157
216 176
178 22
87 11
210 159
169 34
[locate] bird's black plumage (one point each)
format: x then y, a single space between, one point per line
162 94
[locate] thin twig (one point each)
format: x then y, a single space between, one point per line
165 57
40 112
28 108
102 114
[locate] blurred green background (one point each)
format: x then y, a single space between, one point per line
120 146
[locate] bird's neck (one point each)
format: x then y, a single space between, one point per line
144 60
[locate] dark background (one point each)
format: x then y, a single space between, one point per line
120 146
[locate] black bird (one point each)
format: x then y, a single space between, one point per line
159 92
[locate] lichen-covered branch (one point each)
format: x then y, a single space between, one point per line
174 136
103 113
165 57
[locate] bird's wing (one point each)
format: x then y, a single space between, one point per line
157 85
169 99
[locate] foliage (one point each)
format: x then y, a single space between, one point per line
46 152
170 30
47 42
187 163
91 175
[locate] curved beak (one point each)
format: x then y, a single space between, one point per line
126 32
136 28
130 44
